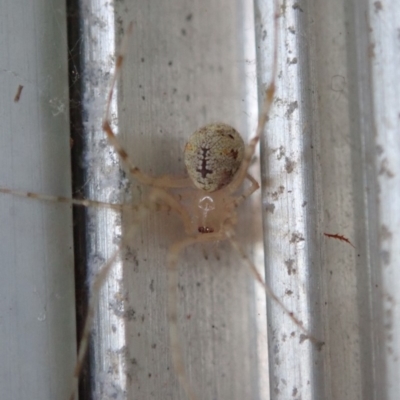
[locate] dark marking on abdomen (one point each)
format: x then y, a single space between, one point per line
203 157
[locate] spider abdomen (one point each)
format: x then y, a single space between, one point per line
212 155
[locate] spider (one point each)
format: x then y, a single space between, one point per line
217 162
208 212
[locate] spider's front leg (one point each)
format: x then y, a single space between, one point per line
165 181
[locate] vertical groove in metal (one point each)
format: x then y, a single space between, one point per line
289 204
78 115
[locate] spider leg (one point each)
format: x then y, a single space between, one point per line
94 294
85 202
139 175
67 200
172 311
163 196
263 116
169 181
248 192
251 147
114 142
166 181
269 292
100 278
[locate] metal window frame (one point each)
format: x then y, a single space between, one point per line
330 158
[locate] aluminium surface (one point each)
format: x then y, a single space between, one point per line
37 311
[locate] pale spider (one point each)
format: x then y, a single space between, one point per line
217 162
